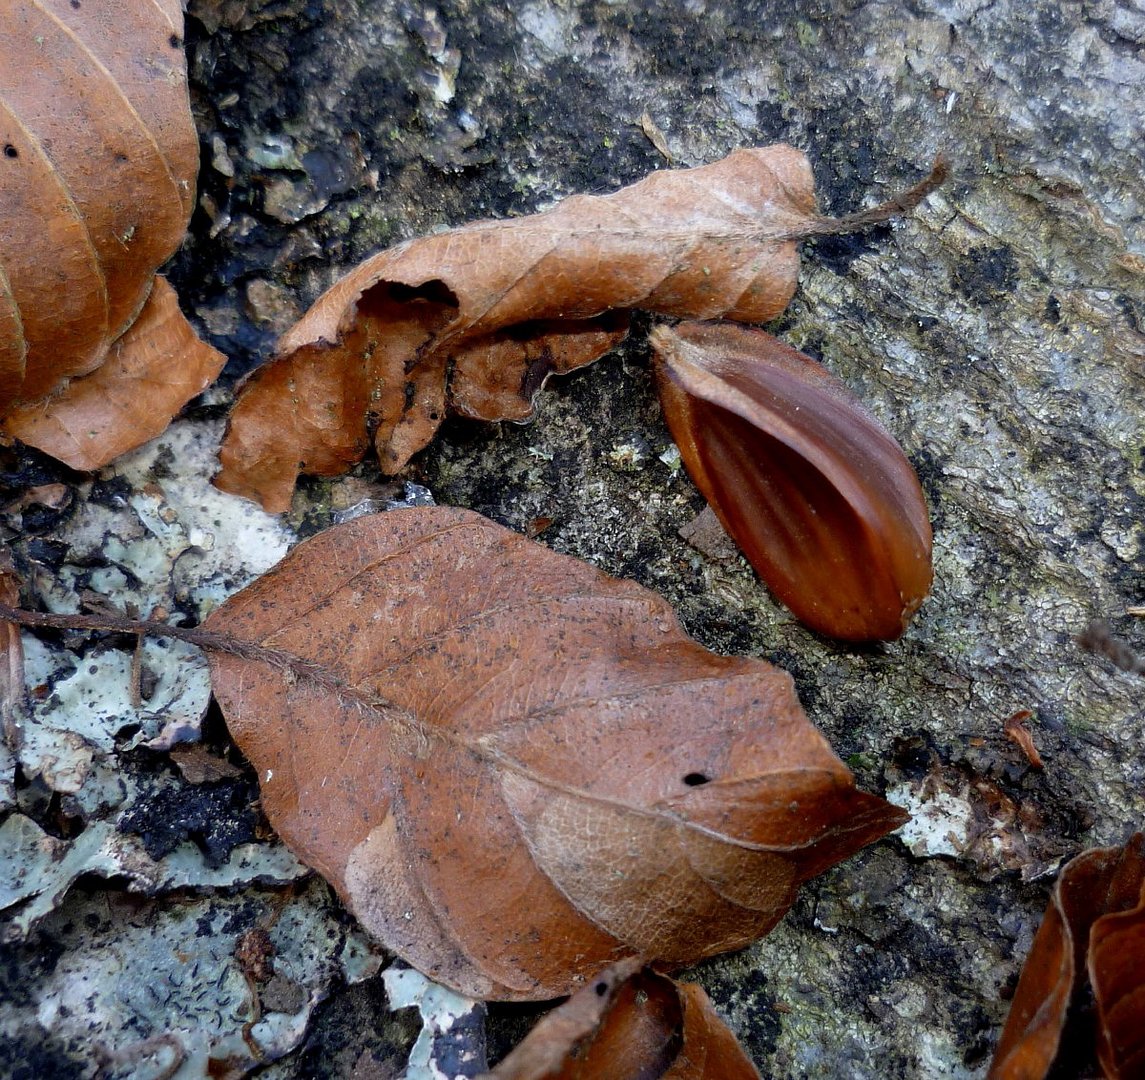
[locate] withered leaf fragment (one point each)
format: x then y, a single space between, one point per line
629 1023
1014 728
1095 926
517 770
149 373
474 320
1116 968
98 156
815 492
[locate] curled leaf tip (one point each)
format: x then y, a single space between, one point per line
813 490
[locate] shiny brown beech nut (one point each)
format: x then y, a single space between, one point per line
629 1023
815 492
517 770
98 156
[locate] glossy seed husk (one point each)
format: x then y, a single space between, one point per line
817 495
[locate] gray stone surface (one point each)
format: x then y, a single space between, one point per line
998 333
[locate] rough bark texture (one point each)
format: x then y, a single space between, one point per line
998 334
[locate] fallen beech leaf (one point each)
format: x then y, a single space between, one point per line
474 320
1116 968
814 491
630 1023
149 374
97 169
1095 922
516 770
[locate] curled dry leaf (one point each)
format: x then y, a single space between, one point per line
474 320
815 492
629 1023
516 770
147 376
1116 968
97 171
1095 926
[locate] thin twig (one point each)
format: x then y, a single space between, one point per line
208 640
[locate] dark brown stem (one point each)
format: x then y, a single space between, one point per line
208 640
892 208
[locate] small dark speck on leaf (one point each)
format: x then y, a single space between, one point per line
695 779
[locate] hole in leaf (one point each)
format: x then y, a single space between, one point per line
695 779
601 989
10 151
174 41
435 292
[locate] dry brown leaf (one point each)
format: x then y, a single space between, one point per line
98 155
1116 967
815 492
516 770
630 1023
474 320
148 375
1095 923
